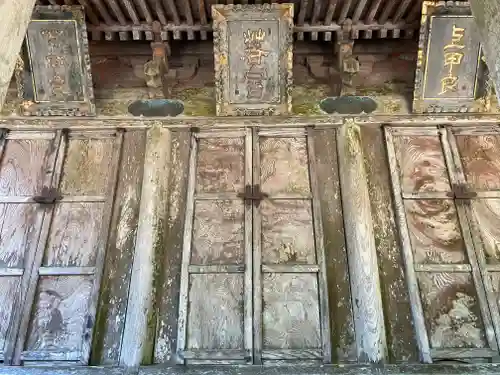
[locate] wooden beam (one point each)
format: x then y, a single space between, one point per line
487 16
16 16
139 332
361 250
402 369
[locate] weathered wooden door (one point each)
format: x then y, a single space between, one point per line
27 161
253 283
455 315
69 196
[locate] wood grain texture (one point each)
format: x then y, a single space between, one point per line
452 310
421 163
290 315
361 249
9 294
65 278
213 305
284 166
486 213
287 232
435 232
87 167
23 166
339 294
400 332
218 232
29 282
17 17
118 266
170 265
60 312
138 331
74 235
220 165
215 317
480 157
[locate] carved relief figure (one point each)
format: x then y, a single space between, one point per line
50 326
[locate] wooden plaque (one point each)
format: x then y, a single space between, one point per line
451 75
53 74
253 59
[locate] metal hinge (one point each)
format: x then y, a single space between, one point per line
461 191
49 195
253 195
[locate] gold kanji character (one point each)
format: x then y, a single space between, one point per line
449 83
453 58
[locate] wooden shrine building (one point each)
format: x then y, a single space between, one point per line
249 187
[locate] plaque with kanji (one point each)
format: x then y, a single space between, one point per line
253 59
451 74
53 73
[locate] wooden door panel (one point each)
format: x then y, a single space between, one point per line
452 311
86 170
290 312
422 166
220 165
21 225
218 232
435 232
480 159
60 311
59 317
287 232
74 236
25 163
450 304
288 257
486 215
284 166
27 160
19 232
216 312
476 154
215 309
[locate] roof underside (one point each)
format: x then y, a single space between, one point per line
191 19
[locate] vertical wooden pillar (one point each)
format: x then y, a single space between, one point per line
487 16
361 252
16 16
139 332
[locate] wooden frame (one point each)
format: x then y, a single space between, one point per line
275 99
73 98
465 88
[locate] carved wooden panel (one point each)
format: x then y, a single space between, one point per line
475 152
215 305
61 287
53 74
451 306
253 59
289 257
253 286
26 165
451 75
